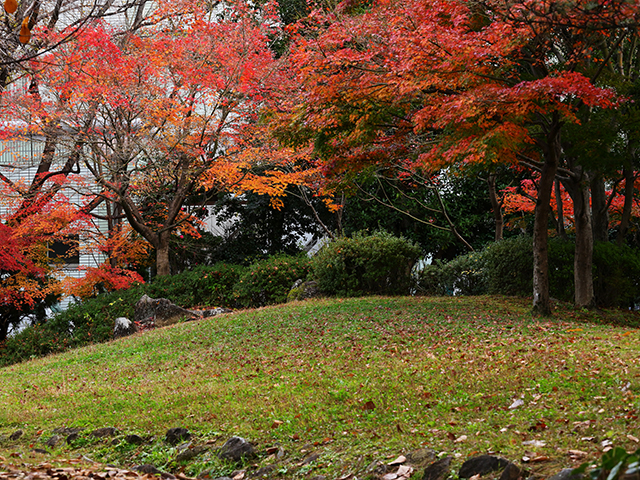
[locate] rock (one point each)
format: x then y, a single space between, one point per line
439 470
566 474
481 465
421 457
212 312
310 458
124 327
236 448
264 472
303 290
151 312
190 453
512 472
377 468
16 435
72 437
134 439
147 468
53 441
176 435
104 432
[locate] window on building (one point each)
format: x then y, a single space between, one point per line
66 250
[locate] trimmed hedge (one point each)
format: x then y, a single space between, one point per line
363 264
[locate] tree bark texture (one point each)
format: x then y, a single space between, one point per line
551 149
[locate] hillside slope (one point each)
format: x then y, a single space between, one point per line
351 382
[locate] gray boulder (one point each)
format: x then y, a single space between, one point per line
439 470
123 328
160 312
212 312
481 465
236 448
176 435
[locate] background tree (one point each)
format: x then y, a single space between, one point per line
153 110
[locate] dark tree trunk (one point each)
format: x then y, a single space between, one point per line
628 203
496 206
578 187
560 211
599 209
551 150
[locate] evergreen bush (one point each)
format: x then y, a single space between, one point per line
366 264
267 282
616 278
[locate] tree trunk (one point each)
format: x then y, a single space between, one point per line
163 267
496 206
583 258
600 210
628 203
551 149
560 211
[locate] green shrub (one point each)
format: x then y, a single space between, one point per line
464 275
202 286
366 264
509 266
432 279
616 278
561 282
267 282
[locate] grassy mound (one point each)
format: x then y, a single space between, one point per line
353 381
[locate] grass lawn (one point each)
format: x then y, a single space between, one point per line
354 381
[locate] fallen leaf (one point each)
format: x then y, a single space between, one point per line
517 403
460 439
276 423
633 439
369 405
404 471
534 443
398 461
540 458
577 453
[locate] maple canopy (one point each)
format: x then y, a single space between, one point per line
418 86
154 114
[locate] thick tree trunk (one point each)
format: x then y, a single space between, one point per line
551 148
163 267
583 259
600 212
578 187
628 203
495 205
